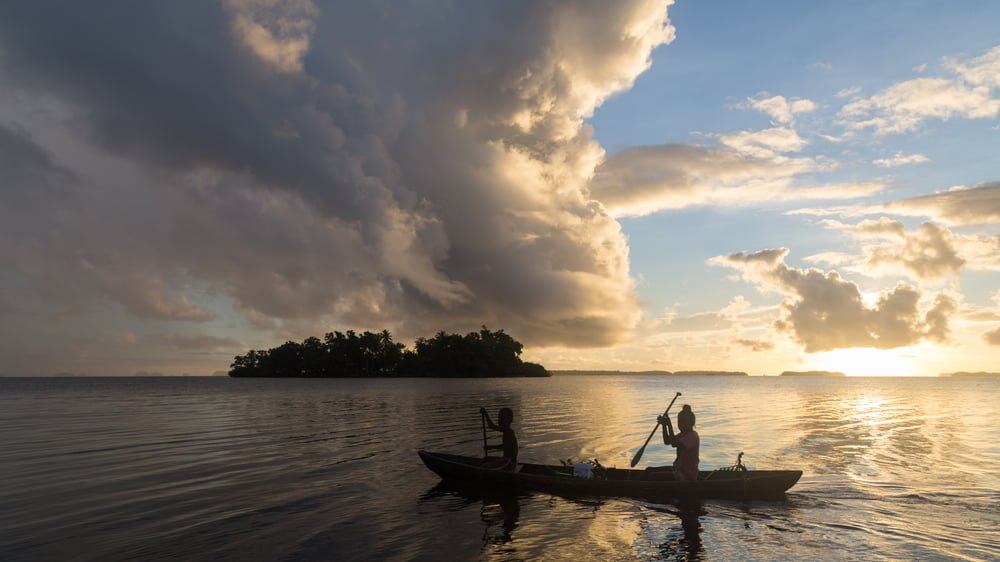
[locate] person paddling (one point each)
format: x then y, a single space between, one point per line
509 445
687 443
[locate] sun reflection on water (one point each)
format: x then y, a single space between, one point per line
866 362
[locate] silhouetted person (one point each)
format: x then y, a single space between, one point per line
687 443
509 445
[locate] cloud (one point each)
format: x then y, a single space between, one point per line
767 143
899 159
848 92
701 322
643 180
832 258
194 342
822 311
992 337
278 33
410 166
780 109
745 318
930 253
959 206
983 70
177 342
147 297
978 205
125 339
27 165
755 345
906 105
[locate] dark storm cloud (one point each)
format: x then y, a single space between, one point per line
166 84
26 165
402 164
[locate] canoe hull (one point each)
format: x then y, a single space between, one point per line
652 484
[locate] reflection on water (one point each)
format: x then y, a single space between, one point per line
683 541
326 469
499 509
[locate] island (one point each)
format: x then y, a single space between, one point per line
712 373
654 373
477 354
969 374
812 374
598 372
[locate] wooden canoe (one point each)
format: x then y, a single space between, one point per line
651 483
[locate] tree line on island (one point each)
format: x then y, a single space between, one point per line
348 354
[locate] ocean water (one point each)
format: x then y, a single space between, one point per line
245 469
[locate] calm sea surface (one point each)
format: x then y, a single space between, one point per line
241 469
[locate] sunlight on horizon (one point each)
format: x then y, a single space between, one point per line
860 362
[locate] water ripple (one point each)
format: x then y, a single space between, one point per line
326 469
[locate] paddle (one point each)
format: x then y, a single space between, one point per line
486 450
638 455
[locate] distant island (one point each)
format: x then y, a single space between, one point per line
660 373
969 374
592 372
812 374
712 373
477 354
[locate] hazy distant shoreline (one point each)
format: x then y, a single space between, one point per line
660 373
819 374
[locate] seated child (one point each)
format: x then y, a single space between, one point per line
509 445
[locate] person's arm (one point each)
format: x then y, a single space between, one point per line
668 431
489 422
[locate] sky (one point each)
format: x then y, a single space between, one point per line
638 185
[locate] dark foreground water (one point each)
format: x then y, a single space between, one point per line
216 468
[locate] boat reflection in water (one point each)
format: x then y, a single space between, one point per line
500 508
678 523
685 544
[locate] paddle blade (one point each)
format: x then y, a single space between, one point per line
638 455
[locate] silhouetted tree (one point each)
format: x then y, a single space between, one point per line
476 354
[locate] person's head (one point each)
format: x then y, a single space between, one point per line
505 417
685 419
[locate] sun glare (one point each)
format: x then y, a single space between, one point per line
869 362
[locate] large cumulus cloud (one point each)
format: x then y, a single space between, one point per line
930 253
823 311
415 165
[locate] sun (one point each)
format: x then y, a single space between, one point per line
860 362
